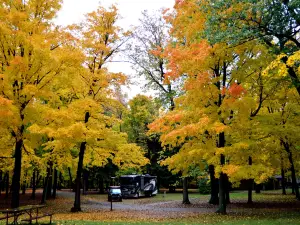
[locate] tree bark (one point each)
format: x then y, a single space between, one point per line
227 189
6 185
71 179
85 182
250 184
49 188
24 188
76 207
33 185
293 172
46 186
185 192
54 184
214 198
294 179
1 181
222 181
283 184
15 200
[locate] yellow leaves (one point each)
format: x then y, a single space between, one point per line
276 67
219 127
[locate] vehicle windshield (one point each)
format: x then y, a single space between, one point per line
115 191
126 181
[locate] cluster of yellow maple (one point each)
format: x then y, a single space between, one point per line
57 99
239 91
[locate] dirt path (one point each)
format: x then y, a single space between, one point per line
169 206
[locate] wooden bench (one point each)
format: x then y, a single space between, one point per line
36 217
10 215
31 210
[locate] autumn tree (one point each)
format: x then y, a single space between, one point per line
32 56
275 23
226 88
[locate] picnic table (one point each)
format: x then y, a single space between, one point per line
31 210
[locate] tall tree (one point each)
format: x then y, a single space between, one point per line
31 56
274 22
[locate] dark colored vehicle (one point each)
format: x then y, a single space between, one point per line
114 194
138 185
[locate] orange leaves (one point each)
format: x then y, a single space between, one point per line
184 60
235 90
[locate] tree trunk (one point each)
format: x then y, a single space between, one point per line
283 184
185 191
293 172
54 184
6 185
85 182
227 189
24 188
46 185
214 198
15 200
1 181
250 184
222 181
49 188
294 179
71 179
76 207
60 183
33 185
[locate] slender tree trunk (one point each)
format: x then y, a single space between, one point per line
1 181
38 179
294 179
185 192
6 185
222 181
227 189
33 185
250 184
49 188
46 185
15 200
214 198
54 184
71 179
293 172
24 188
60 183
85 182
283 184
77 207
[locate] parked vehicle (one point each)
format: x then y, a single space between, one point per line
114 193
138 185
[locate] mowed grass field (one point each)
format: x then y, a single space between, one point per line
270 207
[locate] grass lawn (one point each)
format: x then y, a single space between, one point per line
270 207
